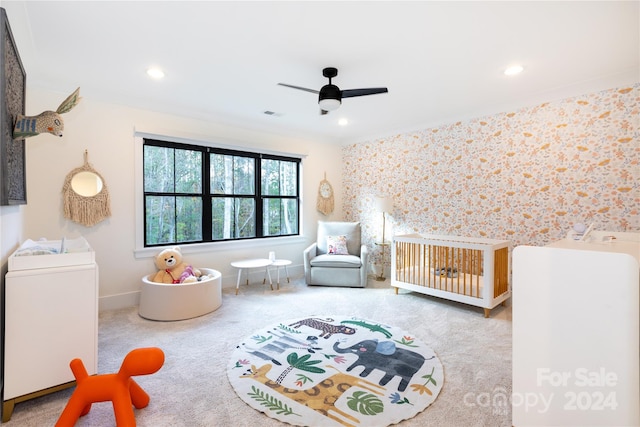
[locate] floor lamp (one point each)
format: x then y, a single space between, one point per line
384 205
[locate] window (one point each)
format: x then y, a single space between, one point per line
196 194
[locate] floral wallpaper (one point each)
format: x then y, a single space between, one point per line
526 176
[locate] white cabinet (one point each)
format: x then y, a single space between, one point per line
576 332
51 317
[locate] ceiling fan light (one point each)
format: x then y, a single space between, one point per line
329 104
513 70
155 73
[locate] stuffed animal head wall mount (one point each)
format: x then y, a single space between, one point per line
47 121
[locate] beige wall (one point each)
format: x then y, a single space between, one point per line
107 132
526 176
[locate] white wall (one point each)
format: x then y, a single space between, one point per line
107 132
10 238
10 231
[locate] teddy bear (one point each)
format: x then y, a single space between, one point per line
172 268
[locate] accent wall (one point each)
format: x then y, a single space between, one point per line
526 176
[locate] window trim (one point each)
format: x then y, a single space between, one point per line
140 251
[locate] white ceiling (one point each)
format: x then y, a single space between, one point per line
442 61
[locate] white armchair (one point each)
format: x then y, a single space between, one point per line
350 270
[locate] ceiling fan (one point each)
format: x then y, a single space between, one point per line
330 96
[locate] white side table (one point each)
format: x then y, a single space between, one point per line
277 264
247 264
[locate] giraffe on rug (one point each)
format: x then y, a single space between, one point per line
322 397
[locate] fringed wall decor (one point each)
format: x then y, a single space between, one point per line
325 197
85 195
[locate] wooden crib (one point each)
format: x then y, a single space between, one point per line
470 270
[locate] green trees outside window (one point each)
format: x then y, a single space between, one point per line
195 194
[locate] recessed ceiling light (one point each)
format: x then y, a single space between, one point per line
513 70
343 122
155 73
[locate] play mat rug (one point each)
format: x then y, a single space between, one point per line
335 371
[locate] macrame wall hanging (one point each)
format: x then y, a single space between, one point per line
324 203
85 195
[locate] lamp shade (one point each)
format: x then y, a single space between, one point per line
384 204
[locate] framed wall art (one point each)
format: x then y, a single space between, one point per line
13 82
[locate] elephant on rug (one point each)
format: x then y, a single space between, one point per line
385 357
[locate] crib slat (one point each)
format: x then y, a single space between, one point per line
477 270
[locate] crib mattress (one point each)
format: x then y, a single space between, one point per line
467 284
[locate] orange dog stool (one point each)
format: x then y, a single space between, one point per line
118 388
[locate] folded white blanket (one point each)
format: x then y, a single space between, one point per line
36 250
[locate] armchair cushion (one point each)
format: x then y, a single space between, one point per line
337 245
338 261
351 231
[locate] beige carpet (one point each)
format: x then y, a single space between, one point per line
192 388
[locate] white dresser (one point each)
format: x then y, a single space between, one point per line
576 332
51 317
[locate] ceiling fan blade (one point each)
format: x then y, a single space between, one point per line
299 88
350 93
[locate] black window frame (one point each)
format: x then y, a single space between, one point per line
207 196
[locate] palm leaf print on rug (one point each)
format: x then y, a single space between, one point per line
335 371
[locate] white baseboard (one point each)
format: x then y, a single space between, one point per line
116 302
256 275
